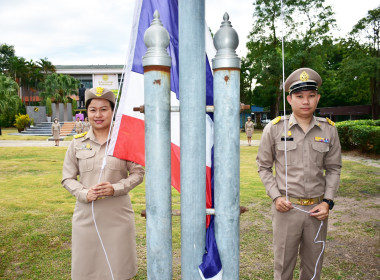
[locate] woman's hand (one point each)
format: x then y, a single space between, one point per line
104 189
91 195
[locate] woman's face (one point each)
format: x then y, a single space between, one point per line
99 114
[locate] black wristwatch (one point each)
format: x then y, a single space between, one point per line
329 202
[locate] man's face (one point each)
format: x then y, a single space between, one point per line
304 103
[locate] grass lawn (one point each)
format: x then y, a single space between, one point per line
36 212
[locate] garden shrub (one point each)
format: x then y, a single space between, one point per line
360 134
22 121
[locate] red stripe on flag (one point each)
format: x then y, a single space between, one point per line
175 168
208 193
130 143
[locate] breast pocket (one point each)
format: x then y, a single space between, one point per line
86 160
318 152
116 164
291 152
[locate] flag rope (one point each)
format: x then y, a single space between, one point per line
285 128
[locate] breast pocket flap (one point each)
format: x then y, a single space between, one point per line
290 145
85 154
320 147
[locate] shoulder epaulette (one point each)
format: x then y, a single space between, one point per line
276 120
330 122
80 135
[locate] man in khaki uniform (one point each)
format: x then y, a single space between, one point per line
308 181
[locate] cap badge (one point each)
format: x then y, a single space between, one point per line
99 90
304 76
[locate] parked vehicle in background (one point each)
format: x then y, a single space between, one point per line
265 122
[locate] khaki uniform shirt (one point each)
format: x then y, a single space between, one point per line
313 159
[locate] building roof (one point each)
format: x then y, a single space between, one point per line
346 110
89 69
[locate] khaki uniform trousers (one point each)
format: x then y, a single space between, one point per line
294 232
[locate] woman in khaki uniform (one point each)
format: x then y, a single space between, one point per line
86 125
78 126
56 131
249 126
111 203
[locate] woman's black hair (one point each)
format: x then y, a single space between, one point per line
89 101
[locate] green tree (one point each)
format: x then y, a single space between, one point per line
10 103
27 74
307 25
58 87
46 67
361 65
6 52
74 106
48 107
8 93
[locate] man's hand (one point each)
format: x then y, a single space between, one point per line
283 205
321 211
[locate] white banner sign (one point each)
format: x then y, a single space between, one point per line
106 81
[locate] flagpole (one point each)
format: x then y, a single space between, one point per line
226 66
156 63
192 85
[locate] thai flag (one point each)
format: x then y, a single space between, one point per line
127 141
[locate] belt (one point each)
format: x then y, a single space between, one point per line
305 201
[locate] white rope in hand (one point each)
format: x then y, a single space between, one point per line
285 135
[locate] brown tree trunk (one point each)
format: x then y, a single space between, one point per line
375 97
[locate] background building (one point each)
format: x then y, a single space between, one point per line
90 76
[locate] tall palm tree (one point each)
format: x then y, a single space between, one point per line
58 87
46 66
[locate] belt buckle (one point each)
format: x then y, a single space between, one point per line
305 202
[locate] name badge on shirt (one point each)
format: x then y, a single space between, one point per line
289 138
320 139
